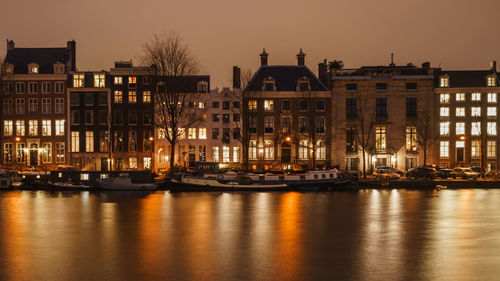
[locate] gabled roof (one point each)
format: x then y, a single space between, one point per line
467 78
44 57
285 78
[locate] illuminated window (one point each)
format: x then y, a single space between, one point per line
460 97
476 96
192 133
268 150
46 127
444 149
492 111
118 80
60 152
132 97
236 154
60 127
444 128
476 111
146 96
201 104
132 82
460 111
147 163
181 132
444 111
118 97
475 128
491 148
21 152
492 97
8 149
460 128
46 152
99 80
411 139
132 162
75 141
303 150
320 150
491 128
202 133
252 150
380 138
444 98
215 154
444 82
269 124
89 141
492 81
225 154
8 127
33 127
268 105
252 105
474 147
33 68
20 128
78 80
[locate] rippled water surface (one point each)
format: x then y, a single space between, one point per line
367 235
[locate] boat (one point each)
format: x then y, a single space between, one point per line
191 183
124 182
9 179
67 185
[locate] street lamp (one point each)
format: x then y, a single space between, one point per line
18 138
288 138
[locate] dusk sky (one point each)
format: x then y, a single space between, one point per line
453 34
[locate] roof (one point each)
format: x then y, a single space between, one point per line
285 78
467 78
383 71
188 84
44 57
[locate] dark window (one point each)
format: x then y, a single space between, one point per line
225 105
89 117
89 99
381 86
411 86
285 105
350 140
252 124
74 99
147 118
236 104
269 86
236 118
381 107
320 105
132 117
225 135
146 80
215 104
103 99
303 86
351 86
225 118
75 117
103 117
351 110
303 105
320 125
411 107
118 117
215 117
215 133
236 133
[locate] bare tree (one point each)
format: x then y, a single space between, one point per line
245 135
364 123
172 62
425 135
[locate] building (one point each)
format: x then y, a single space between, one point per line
132 112
89 120
34 106
385 111
467 113
289 117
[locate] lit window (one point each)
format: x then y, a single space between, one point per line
60 127
132 97
444 128
8 149
444 149
492 111
492 82
8 127
99 81
236 154
46 127
20 128
78 80
75 141
320 150
475 128
181 133
33 127
445 111
192 133
147 163
268 105
47 152
84 177
118 80
444 98
118 97
89 141
215 154
460 97
60 152
476 96
474 147
303 150
132 82
252 150
492 128
252 105
460 128
460 111
132 162
33 68
492 97
225 154
146 96
411 139
491 149
268 150
380 138
202 133
201 104
476 111
444 82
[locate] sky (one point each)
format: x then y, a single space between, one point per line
452 34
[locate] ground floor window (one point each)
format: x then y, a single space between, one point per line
132 162
491 150
8 149
268 150
444 149
252 150
215 154
492 166
225 154
46 152
351 164
303 150
236 154
320 150
411 162
147 163
202 153
60 152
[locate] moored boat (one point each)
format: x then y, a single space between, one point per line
124 182
189 183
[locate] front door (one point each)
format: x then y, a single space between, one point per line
286 155
33 154
460 154
192 159
104 164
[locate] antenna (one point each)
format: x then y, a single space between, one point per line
392 60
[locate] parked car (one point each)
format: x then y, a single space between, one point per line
421 172
385 174
466 173
399 172
445 173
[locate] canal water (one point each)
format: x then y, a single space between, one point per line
365 235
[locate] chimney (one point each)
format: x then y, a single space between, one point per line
493 65
71 47
236 78
301 57
10 45
426 64
322 73
392 60
263 57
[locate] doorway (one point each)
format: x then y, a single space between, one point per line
33 154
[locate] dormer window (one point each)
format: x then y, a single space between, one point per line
202 87
269 84
8 68
33 68
99 80
303 84
78 80
492 81
59 68
444 81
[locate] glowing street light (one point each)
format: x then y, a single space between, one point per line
288 138
18 138
462 138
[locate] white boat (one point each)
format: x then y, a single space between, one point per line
124 182
198 183
67 185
